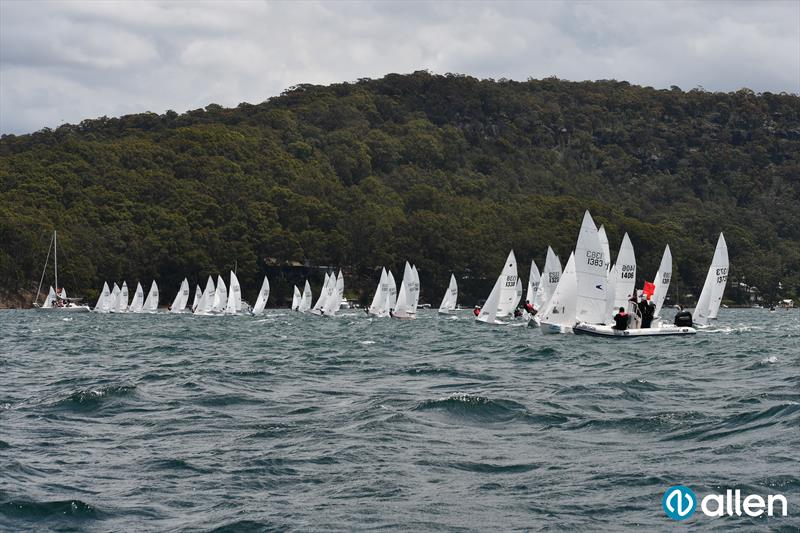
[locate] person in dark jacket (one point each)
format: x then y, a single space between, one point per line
683 318
648 313
621 320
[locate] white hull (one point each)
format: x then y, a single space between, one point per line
554 329
494 322
71 309
608 331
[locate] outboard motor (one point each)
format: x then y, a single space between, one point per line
683 319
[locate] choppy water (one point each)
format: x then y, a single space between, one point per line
294 422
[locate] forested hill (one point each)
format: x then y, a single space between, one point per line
450 172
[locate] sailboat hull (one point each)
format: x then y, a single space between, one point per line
554 329
75 309
608 331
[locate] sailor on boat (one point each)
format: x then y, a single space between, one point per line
477 310
530 309
683 318
621 320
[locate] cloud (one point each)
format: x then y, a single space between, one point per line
66 61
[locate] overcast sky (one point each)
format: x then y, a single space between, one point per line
66 61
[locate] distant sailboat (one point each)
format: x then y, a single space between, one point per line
549 280
405 308
591 272
220 300
448 304
306 300
181 298
104 301
510 287
138 299
336 295
621 280
662 280
534 280
488 314
378 306
391 300
121 305
233 305
559 313
57 300
151 302
323 295
297 297
207 299
263 296
711 296
198 295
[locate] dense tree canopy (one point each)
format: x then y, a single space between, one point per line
447 171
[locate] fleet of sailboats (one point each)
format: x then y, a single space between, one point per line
586 297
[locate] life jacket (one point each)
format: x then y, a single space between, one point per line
621 321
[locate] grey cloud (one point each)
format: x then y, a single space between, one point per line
66 61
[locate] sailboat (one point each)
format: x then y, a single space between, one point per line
711 296
549 280
534 280
405 306
335 295
104 301
198 294
510 287
323 296
296 299
488 314
391 300
621 280
151 302
56 300
182 298
448 304
559 312
233 305
220 299
306 300
263 296
138 299
662 280
378 306
206 303
121 304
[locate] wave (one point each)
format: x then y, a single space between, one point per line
95 398
480 409
785 413
32 510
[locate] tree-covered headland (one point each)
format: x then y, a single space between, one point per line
448 171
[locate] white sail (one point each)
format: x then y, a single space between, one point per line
624 274
534 280
391 299
122 299
102 305
714 286
323 294
220 296
182 298
490 308
151 302
721 272
305 302
560 310
113 299
378 305
404 307
450 297
591 273
63 293
604 246
549 279
336 296
296 299
263 296
234 302
207 299
198 296
414 290
138 299
662 279
509 296
51 296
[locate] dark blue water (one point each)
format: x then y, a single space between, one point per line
291 422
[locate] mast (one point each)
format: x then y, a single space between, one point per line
44 271
55 258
